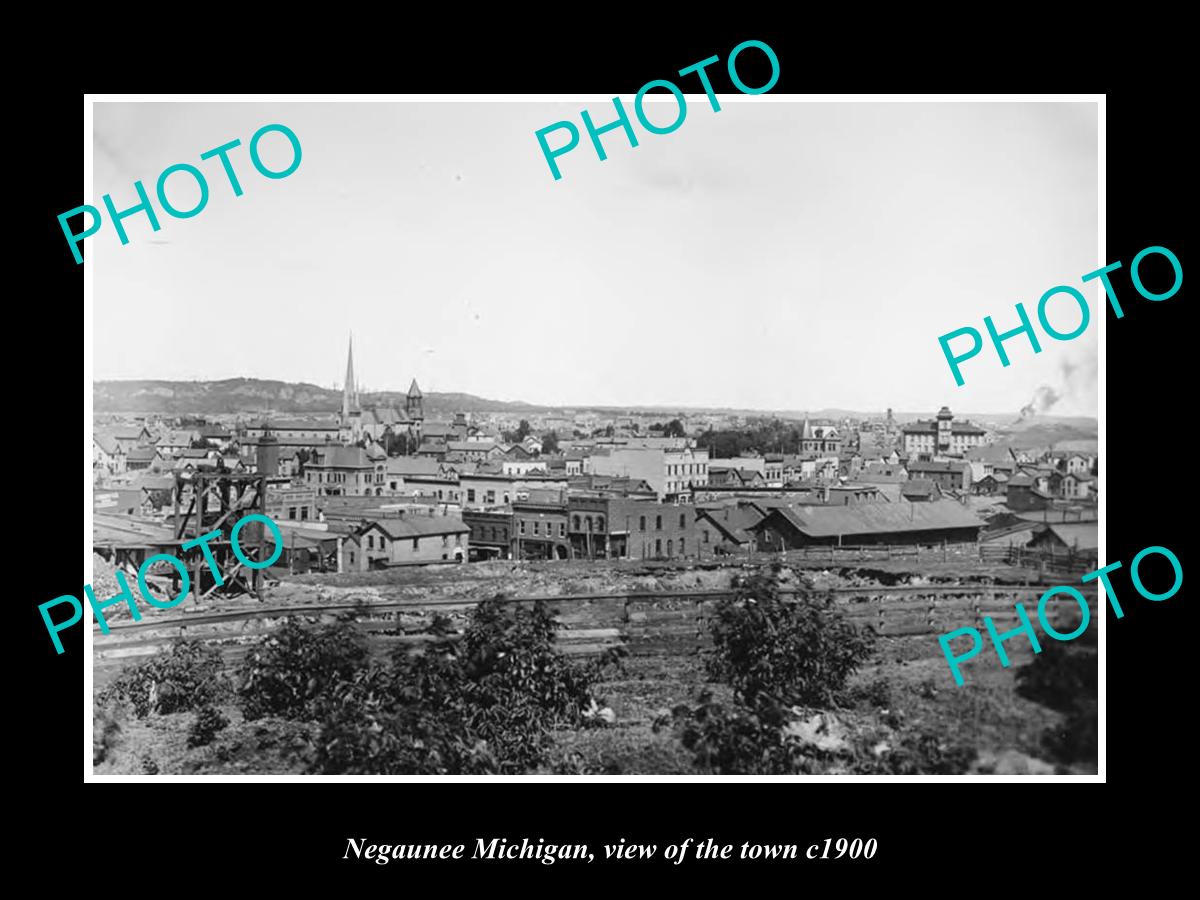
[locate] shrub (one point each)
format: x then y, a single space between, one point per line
1065 679
402 719
208 722
289 671
188 676
800 652
1060 677
106 731
769 739
736 739
484 705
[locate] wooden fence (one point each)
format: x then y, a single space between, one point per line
650 623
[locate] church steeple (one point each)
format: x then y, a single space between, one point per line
349 389
414 405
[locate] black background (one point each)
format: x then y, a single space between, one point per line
289 831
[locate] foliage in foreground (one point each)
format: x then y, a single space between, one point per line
288 672
770 739
208 722
1065 678
786 662
769 649
190 675
487 702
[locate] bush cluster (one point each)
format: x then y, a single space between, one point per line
190 675
483 702
786 661
208 722
288 672
1065 678
770 649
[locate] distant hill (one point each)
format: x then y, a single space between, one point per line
256 395
236 395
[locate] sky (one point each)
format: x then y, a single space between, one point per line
774 255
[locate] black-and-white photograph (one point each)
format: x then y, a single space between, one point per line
431 439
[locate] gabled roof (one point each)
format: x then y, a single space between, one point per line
876 518
733 522
470 446
919 487
1085 535
929 426
412 465
416 525
300 425
107 443
141 454
917 465
413 390
341 458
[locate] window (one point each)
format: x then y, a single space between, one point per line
600 523
537 527
370 542
303 513
562 529
681 547
522 526
641 523
683 520
291 512
416 543
658 546
458 540
575 523
351 557
706 536
470 495
658 523
670 547
490 497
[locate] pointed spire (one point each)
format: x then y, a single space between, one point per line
413 390
349 390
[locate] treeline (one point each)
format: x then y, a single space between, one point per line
766 436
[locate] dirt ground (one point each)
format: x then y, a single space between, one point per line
986 713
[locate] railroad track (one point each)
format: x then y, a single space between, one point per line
699 596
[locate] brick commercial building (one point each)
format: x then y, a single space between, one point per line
491 533
946 474
617 528
540 527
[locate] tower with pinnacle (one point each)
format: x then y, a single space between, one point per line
351 411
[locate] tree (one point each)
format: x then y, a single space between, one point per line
675 429
550 442
523 430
